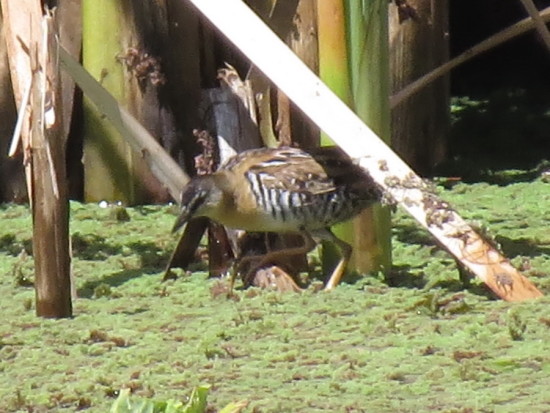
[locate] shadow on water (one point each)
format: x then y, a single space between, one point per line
90 288
92 247
521 246
412 233
11 245
406 276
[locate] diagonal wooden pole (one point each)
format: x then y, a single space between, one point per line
538 21
246 30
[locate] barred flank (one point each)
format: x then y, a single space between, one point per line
311 210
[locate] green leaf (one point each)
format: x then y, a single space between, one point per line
234 407
127 404
197 400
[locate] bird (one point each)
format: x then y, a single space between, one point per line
284 190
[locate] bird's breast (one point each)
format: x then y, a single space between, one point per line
241 211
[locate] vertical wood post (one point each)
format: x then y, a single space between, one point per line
418 44
32 52
50 208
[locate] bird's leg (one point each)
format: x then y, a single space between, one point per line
251 246
308 245
232 279
345 249
273 256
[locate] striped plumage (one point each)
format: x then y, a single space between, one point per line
283 190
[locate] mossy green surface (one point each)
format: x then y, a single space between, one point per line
417 342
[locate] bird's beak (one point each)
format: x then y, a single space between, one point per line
193 198
181 221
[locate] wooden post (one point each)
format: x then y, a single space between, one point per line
419 43
32 51
50 207
304 42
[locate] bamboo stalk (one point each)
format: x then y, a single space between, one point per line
108 161
317 101
333 54
333 71
369 73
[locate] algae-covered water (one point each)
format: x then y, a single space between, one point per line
417 342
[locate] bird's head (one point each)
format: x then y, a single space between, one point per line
199 197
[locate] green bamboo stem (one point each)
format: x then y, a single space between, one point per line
108 161
333 54
360 82
369 73
333 70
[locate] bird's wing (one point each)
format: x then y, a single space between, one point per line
318 171
289 169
